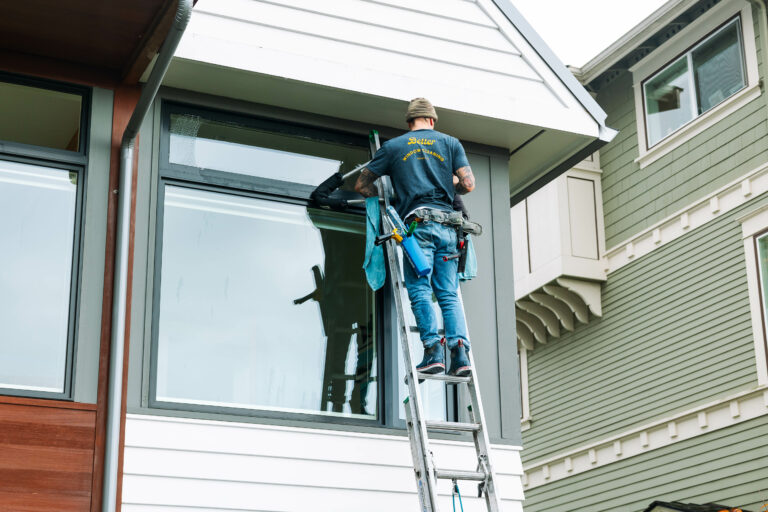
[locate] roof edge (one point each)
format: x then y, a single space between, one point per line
606 135
629 41
554 63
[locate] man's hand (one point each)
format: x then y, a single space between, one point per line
364 184
464 180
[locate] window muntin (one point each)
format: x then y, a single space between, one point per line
264 149
703 77
38 208
41 116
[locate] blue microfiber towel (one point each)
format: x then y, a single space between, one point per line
470 268
375 271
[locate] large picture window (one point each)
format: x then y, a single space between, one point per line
706 75
261 302
42 162
264 305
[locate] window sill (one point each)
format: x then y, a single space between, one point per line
698 125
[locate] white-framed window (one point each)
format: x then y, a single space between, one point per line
754 227
698 77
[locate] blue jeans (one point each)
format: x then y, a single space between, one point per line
437 240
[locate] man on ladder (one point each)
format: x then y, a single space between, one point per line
427 168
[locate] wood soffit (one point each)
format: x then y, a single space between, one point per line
117 38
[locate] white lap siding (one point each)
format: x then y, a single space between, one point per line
188 464
464 55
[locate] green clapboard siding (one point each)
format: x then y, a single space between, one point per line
727 466
675 333
635 198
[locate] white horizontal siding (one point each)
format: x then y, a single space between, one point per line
331 37
464 55
463 10
177 464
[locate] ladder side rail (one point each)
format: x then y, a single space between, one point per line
416 425
482 442
424 470
415 421
483 445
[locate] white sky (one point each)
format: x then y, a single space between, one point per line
578 30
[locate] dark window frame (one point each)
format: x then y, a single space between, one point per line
71 161
740 24
274 190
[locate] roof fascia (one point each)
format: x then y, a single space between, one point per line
557 67
629 41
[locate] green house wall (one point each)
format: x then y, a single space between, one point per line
675 333
634 198
727 466
676 330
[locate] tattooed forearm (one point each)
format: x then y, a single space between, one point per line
365 184
466 180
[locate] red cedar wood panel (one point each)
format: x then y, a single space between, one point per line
104 47
43 473
126 353
125 101
46 457
24 64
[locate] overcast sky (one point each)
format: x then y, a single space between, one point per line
578 30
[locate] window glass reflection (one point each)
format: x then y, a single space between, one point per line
718 68
668 101
696 82
37 219
43 117
230 147
264 305
762 252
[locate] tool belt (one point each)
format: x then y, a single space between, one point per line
454 219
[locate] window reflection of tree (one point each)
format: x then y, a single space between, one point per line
343 297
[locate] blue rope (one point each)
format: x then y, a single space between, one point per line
453 497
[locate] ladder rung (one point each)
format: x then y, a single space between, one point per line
453 474
453 426
450 379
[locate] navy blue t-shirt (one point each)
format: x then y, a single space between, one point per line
420 164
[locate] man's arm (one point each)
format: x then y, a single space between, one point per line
365 184
466 180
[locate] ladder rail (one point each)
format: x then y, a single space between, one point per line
425 472
424 469
482 443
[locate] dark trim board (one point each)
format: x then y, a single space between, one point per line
557 171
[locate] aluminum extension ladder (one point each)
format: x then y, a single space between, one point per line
418 427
